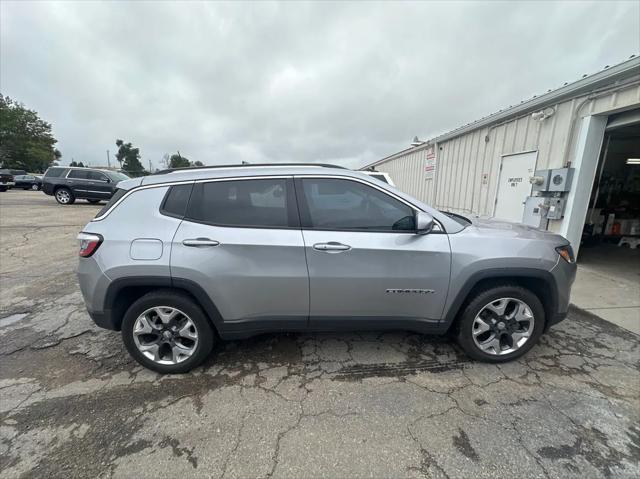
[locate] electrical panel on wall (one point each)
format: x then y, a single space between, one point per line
549 188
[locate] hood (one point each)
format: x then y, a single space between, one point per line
495 227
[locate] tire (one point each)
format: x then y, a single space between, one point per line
64 196
94 202
167 301
483 310
35 187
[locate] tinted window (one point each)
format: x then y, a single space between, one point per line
118 176
175 203
95 175
242 203
119 193
78 174
345 204
55 172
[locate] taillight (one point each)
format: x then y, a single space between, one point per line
89 243
566 252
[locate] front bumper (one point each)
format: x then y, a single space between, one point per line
564 274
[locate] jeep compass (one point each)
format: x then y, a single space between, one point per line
179 260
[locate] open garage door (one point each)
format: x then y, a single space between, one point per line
609 260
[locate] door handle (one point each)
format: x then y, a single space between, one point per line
331 246
200 242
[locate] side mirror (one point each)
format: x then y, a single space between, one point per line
424 223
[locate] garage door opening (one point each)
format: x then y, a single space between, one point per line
609 262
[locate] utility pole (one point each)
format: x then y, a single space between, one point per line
150 170
108 160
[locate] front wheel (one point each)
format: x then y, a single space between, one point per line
64 196
501 323
167 332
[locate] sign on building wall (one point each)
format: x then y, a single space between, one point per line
430 162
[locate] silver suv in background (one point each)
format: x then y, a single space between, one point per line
180 259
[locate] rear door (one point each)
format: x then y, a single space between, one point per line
99 185
367 267
241 242
78 181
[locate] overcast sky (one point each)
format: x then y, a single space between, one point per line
347 83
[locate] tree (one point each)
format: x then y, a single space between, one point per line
26 141
129 159
197 163
178 161
77 163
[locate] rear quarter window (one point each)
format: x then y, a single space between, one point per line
54 172
176 200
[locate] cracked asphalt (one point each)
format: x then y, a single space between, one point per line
73 404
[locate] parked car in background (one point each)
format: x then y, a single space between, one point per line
67 184
6 180
177 260
28 182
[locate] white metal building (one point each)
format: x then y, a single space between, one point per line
484 168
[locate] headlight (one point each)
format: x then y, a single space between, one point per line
566 252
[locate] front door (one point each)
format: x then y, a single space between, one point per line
241 242
367 267
514 186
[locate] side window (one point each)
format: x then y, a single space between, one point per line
350 205
97 176
176 201
55 172
252 203
78 174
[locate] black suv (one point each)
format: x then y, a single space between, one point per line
68 184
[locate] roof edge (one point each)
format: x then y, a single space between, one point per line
625 69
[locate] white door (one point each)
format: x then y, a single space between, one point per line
514 186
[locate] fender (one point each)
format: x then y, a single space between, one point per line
500 273
112 318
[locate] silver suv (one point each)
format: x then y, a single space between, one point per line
179 259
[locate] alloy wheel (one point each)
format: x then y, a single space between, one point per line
165 335
63 196
503 326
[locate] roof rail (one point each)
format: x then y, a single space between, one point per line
246 165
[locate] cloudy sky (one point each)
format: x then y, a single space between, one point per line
335 82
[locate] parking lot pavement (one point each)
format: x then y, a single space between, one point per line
73 404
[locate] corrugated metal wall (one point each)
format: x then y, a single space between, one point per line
462 161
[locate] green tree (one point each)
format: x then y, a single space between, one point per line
26 141
197 163
178 161
129 159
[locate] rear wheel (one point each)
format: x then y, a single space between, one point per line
501 323
64 196
35 187
167 332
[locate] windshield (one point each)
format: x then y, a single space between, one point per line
117 176
457 218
